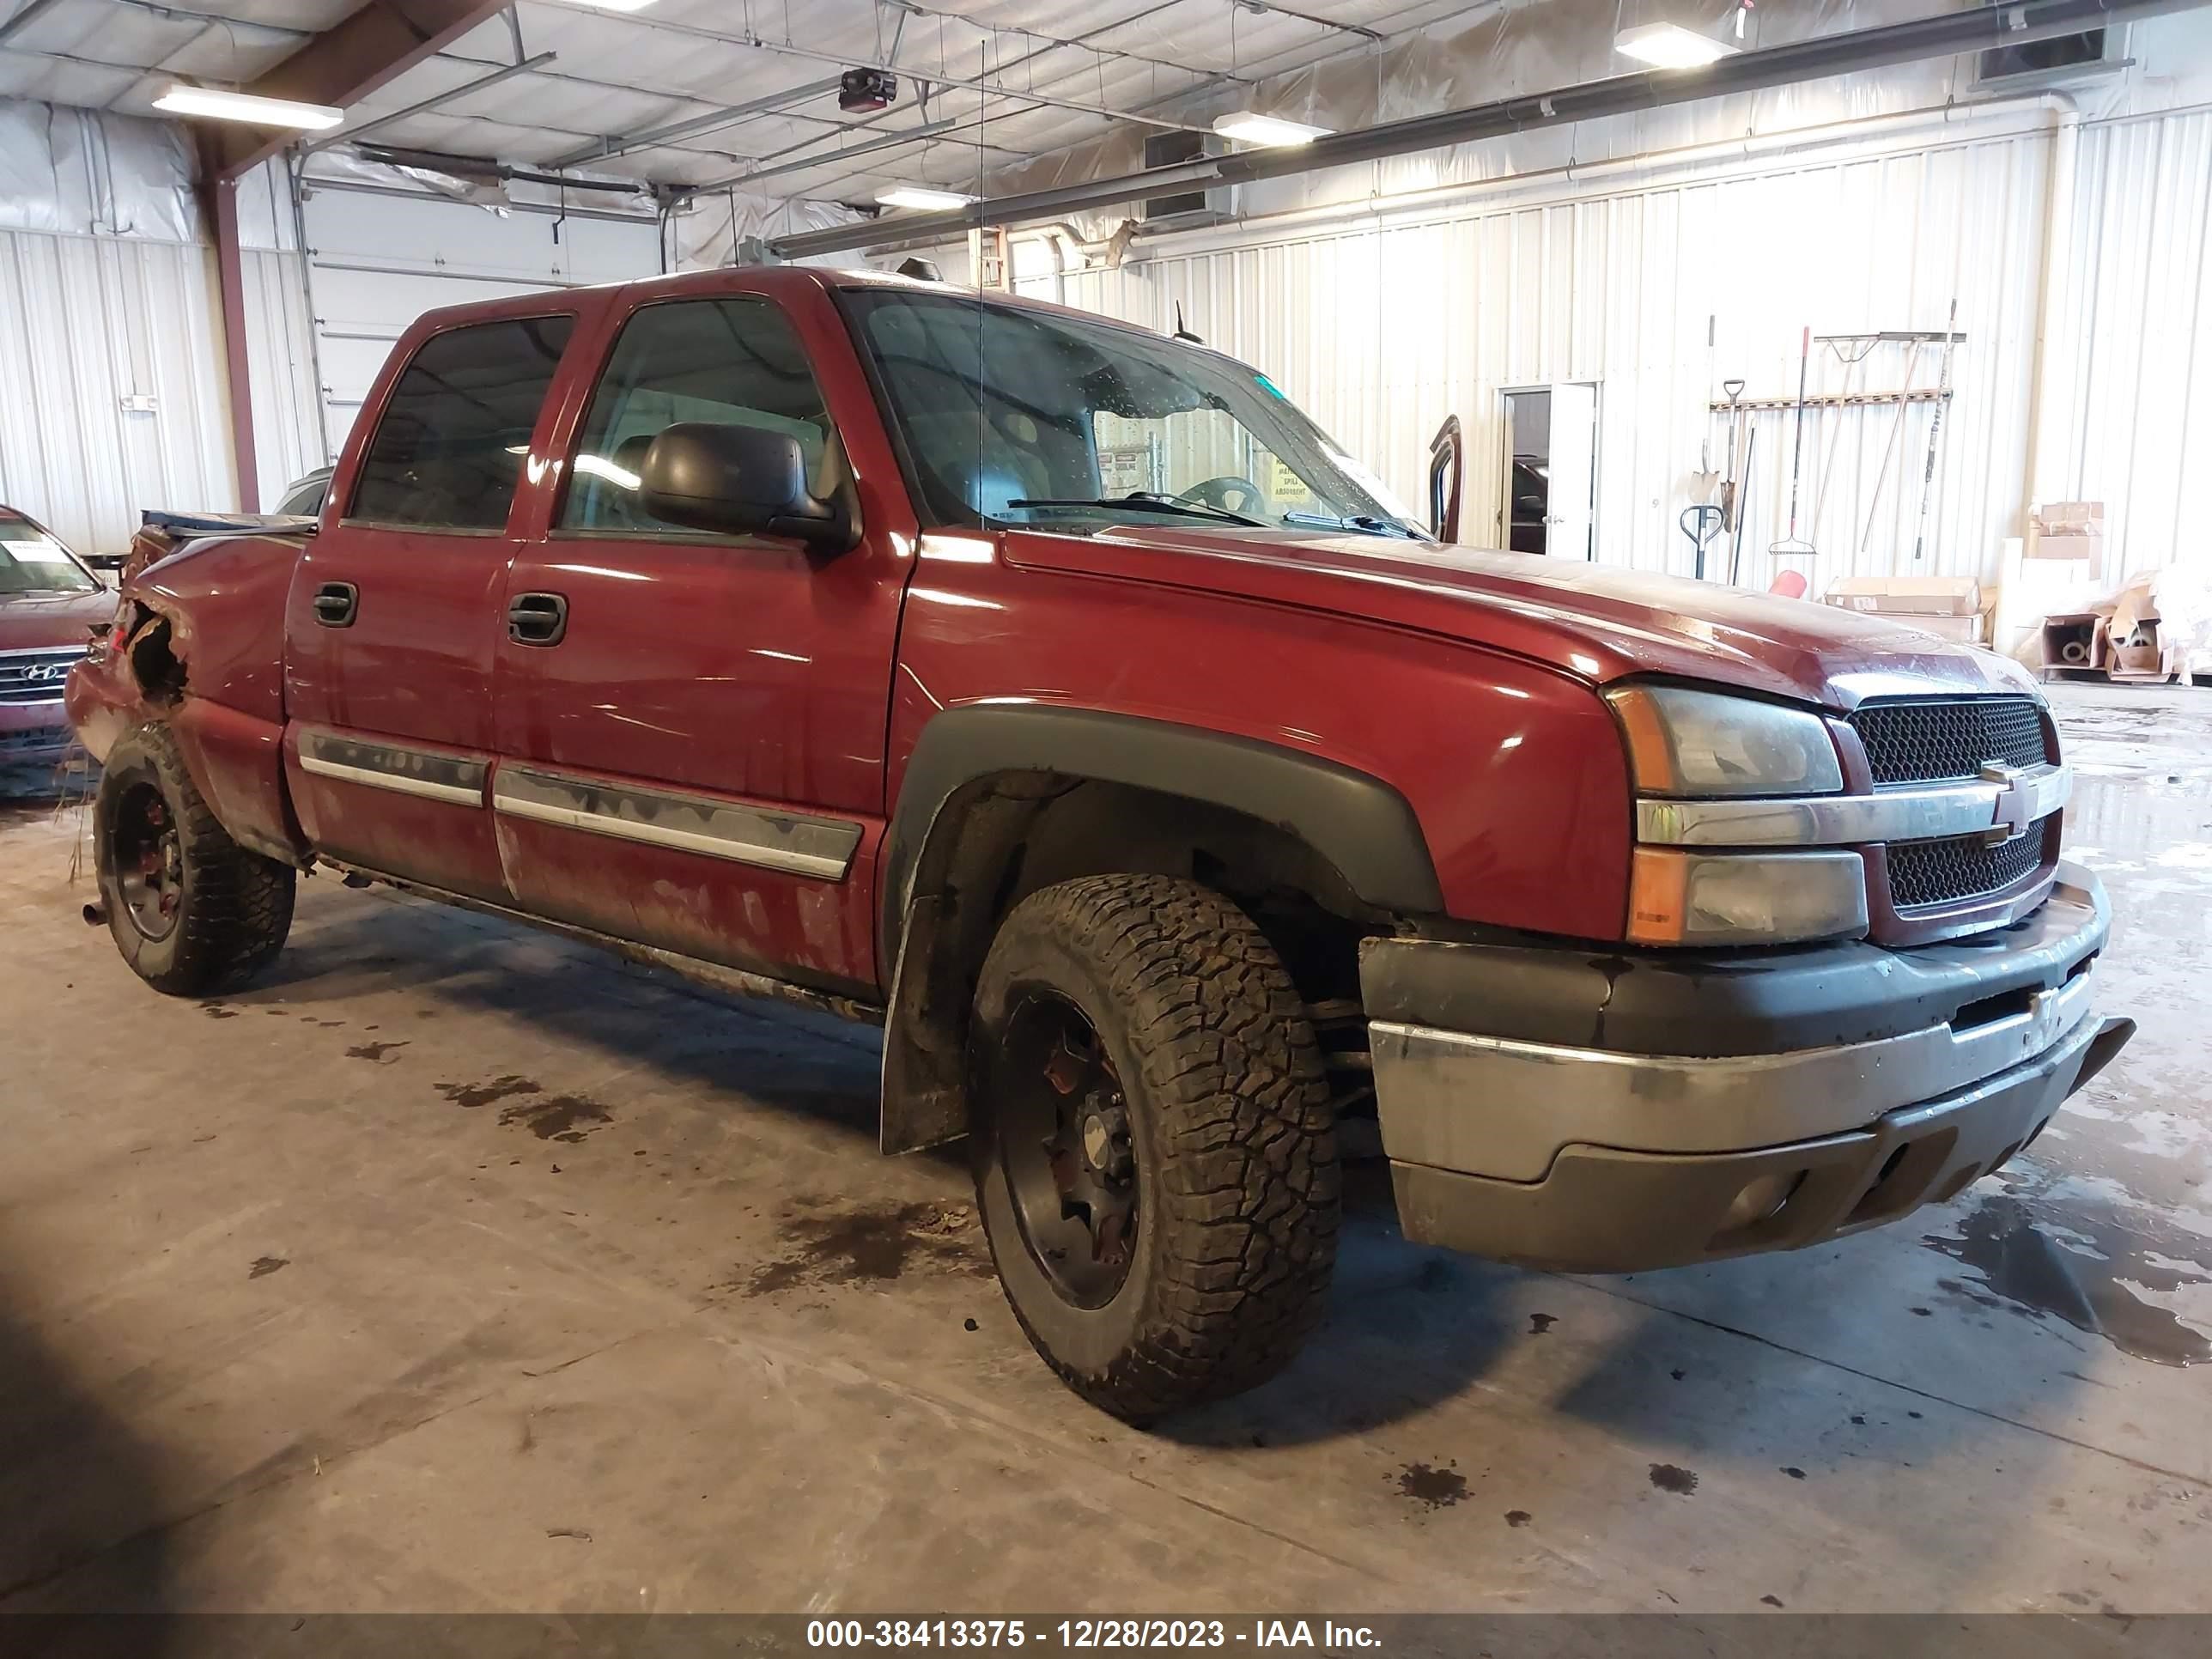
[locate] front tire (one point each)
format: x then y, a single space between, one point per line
1155 1158
192 912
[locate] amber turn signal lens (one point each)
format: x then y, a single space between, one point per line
1657 893
1679 897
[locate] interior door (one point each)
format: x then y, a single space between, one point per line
693 757
1447 469
1570 504
392 624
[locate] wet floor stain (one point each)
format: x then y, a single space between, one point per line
469 1096
872 1245
557 1117
377 1054
1430 1486
2028 1270
265 1265
1538 1324
1672 1477
1518 1517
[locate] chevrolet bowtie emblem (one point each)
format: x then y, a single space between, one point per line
2010 820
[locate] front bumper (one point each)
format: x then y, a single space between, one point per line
1633 1110
34 733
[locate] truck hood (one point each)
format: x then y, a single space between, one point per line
1595 621
28 620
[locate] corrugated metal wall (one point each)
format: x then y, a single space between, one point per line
1384 330
86 322
2133 419
1383 325
280 351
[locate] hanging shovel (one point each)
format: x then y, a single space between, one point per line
1734 390
1701 523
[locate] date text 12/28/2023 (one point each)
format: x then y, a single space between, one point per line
1086 1634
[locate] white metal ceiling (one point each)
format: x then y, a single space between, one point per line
1050 65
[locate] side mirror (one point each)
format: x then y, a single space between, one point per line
740 481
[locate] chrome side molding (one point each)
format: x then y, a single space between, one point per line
453 778
797 843
2011 802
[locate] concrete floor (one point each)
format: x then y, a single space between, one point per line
456 1267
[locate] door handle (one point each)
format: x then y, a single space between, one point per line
337 604
537 618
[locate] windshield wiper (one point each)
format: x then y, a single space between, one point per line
1142 504
1365 522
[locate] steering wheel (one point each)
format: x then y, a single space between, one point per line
1227 493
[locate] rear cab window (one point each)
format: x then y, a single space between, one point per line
455 433
736 360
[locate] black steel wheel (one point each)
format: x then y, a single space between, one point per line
192 911
1155 1161
1070 1164
148 860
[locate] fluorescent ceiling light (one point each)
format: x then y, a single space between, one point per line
1249 129
600 467
616 5
1670 46
914 196
218 105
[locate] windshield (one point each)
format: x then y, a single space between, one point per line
31 562
1018 416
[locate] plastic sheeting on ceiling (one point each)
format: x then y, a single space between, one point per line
617 75
77 172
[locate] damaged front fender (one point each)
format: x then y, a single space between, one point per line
198 645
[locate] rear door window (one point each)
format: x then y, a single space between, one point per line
452 439
734 361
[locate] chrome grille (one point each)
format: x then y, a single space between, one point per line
36 676
1961 866
1928 740
39 740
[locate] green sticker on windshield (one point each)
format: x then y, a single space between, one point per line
1268 386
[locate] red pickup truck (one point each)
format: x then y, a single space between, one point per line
1059 697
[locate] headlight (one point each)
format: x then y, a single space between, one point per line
1687 743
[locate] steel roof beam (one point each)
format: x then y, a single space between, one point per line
695 125
344 65
348 134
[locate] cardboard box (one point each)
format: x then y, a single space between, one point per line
2133 649
2074 638
1969 630
1908 596
2067 530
